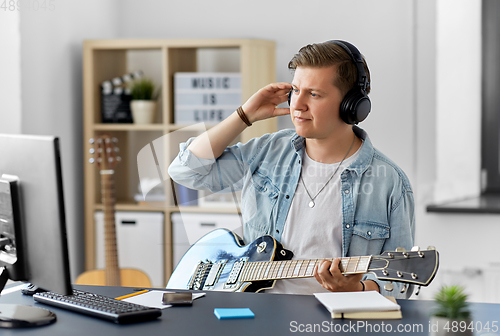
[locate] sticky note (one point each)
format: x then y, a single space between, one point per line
233 313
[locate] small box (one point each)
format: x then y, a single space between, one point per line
205 97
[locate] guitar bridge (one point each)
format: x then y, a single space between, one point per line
198 277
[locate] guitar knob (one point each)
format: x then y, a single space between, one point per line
389 287
400 249
431 248
415 249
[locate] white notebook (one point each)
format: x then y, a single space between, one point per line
348 302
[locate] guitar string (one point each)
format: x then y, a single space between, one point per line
289 266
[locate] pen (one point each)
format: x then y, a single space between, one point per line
132 294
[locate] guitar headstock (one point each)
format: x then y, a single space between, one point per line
105 150
414 267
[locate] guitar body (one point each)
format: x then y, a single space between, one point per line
223 245
219 261
129 278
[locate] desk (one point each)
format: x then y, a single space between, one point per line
274 315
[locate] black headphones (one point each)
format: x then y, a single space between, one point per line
356 104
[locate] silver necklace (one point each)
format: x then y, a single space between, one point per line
311 203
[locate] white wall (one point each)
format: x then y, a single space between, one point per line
382 30
51 58
10 68
448 106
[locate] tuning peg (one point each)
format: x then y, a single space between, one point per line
400 249
115 140
431 248
415 249
92 151
111 159
91 160
109 150
389 287
117 149
404 288
91 140
118 158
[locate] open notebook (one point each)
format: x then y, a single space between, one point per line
360 305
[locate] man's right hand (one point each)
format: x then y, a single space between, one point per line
262 105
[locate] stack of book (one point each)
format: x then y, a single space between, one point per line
360 305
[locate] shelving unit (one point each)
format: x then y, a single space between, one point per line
159 59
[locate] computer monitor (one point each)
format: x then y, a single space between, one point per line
33 241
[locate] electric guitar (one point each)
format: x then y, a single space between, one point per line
219 261
106 160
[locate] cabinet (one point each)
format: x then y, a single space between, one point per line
159 59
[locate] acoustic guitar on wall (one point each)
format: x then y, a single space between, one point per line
105 151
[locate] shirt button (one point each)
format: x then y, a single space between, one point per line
348 226
346 191
287 196
369 233
277 231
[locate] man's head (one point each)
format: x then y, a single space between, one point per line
321 101
327 54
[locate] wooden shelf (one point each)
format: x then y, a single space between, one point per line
128 127
107 59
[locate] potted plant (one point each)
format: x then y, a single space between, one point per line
452 315
143 104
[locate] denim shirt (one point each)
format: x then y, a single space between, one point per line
377 198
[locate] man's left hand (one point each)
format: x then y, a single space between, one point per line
329 276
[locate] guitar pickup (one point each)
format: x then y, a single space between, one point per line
214 272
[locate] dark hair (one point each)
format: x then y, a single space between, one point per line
326 54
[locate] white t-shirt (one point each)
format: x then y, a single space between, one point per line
313 233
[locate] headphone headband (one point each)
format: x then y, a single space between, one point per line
356 57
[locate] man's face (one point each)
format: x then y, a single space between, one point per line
315 102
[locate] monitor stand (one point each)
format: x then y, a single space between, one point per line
21 316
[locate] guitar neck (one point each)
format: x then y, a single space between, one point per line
291 269
111 253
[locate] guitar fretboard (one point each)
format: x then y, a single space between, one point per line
111 253
289 269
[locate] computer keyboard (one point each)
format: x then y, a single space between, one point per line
99 306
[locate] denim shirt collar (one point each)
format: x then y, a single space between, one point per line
362 162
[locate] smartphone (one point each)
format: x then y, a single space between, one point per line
178 299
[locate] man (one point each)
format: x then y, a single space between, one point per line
322 190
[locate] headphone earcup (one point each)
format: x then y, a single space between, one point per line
355 107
